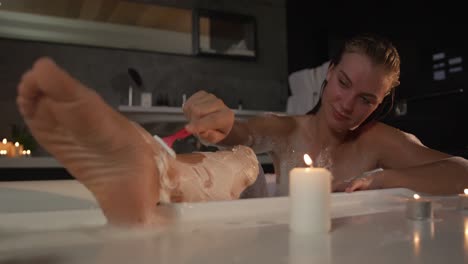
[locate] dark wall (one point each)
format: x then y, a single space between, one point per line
260 84
436 112
307 34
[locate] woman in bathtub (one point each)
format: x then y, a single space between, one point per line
127 171
340 133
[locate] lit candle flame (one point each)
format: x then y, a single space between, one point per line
416 196
466 191
16 144
307 160
4 141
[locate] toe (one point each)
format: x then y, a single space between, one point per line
55 82
26 107
28 88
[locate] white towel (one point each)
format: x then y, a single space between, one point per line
305 88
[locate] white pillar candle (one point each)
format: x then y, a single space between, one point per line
309 196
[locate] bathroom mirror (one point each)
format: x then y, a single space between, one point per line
224 34
106 23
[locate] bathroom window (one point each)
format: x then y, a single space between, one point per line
108 23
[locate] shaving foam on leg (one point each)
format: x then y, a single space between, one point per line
220 175
162 163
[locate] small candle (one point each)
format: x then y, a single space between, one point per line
18 149
418 208
309 199
7 147
463 200
4 145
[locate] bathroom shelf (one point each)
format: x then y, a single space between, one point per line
168 114
29 162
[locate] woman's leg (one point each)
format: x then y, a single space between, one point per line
117 160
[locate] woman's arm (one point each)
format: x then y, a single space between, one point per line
441 177
261 133
407 163
213 122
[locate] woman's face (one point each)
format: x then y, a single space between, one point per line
355 89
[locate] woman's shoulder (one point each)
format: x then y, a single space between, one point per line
379 133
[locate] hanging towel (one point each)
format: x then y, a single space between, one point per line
305 87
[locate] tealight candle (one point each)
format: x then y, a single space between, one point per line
18 149
418 208
4 145
7 147
309 199
463 200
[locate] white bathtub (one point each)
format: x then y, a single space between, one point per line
59 222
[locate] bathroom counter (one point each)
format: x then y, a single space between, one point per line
367 227
29 162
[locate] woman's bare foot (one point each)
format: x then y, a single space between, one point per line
97 145
118 161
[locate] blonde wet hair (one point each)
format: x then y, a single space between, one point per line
380 50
